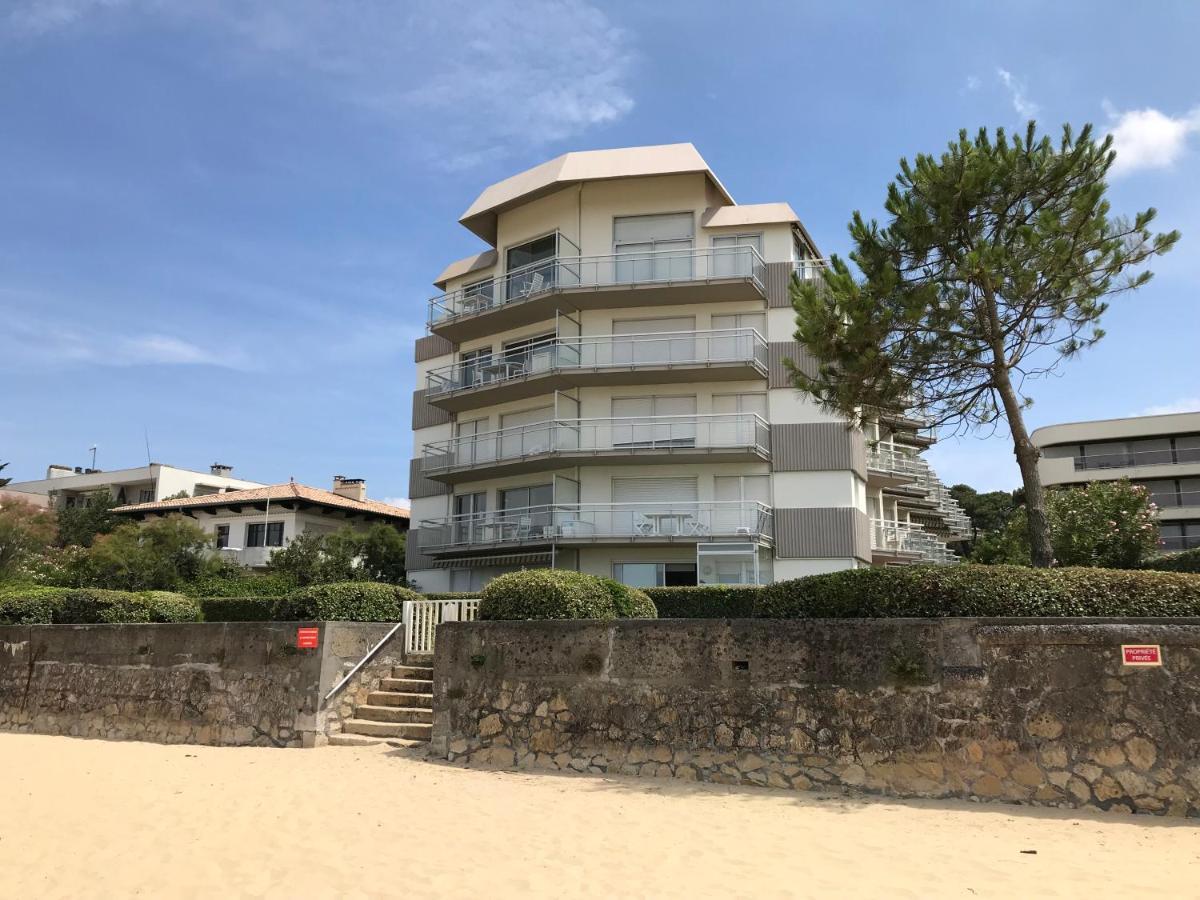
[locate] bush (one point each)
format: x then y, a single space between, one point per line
239 582
1187 561
984 591
87 606
241 609
546 594
706 601
629 602
349 601
30 604
452 595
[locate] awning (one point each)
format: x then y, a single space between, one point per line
510 559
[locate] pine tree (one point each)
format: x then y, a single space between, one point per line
995 266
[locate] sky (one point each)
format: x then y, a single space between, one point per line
220 220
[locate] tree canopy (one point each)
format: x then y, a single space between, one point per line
996 264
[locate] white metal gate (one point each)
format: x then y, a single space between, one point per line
422 617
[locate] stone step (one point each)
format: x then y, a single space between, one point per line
398 698
362 740
423 673
414 731
407 685
394 713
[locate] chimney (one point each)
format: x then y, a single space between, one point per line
221 469
57 471
350 488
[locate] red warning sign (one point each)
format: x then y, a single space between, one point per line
306 638
1141 654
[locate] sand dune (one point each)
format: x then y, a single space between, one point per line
98 819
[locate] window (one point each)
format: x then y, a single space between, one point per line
527 510
222 537
736 495
469 512
526 432
146 495
473 366
470 449
654 421
533 354
675 345
731 256
655 574
254 534
274 534
531 266
734 427
653 248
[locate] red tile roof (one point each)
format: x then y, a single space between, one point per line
273 492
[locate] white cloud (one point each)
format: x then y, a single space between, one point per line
402 502
1148 138
463 80
1183 405
973 83
1016 89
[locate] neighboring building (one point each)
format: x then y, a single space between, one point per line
1162 453
250 525
605 389
65 487
41 501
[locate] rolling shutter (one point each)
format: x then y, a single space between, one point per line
655 490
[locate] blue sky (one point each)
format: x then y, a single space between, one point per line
219 220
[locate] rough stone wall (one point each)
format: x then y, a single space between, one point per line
1029 712
341 706
234 683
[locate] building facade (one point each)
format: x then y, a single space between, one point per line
606 388
66 486
1161 453
248 526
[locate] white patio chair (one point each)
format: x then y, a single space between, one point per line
534 285
643 526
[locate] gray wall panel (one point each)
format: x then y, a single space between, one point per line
432 345
420 486
822 532
778 375
818 446
426 416
413 557
778 281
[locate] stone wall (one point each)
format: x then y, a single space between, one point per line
231 683
1034 711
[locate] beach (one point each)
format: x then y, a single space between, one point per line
107 819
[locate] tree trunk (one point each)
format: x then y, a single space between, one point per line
1041 551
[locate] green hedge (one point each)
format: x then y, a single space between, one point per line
241 609
546 594
30 605
972 590
349 601
88 606
453 595
242 585
629 602
706 601
1187 561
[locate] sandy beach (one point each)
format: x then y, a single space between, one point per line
106 819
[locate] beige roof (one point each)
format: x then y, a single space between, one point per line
585 165
750 214
274 492
466 266
1117 429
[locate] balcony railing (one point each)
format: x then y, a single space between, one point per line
882 458
659 434
606 271
626 351
584 522
910 540
1175 499
1175 542
1126 460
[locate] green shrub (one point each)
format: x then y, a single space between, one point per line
228 584
349 601
629 602
452 595
30 604
1187 561
91 606
984 591
241 609
706 601
546 594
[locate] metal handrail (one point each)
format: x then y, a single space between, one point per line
362 662
1122 459
615 269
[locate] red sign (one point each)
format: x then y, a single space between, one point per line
306 638
1141 655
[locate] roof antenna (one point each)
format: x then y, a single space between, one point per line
146 434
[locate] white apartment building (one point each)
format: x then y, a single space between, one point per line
248 526
605 388
1162 453
66 486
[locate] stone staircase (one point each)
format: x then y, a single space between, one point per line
400 713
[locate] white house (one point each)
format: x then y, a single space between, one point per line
66 486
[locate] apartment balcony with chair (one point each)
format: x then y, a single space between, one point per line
532 292
898 543
733 437
890 466
558 363
569 524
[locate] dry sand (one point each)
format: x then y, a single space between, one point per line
93 818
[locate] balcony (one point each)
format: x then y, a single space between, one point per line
732 354
658 278
569 524
889 467
1177 542
1137 458
1176 504
894 543
734 437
